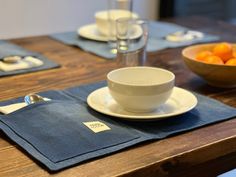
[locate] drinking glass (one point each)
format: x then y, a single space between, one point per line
132 36
117 9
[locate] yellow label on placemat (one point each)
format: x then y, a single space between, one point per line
96 126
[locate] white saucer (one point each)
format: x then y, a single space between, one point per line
179 102
91 32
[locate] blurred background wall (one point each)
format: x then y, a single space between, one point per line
216 9
20 18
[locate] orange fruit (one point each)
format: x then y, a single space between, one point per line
234 54
223 50
213 60
202 55
231 62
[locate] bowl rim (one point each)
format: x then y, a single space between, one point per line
172 75
104 17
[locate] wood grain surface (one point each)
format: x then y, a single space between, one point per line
206 151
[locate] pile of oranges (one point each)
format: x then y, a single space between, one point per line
222 53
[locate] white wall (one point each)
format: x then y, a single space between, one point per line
19 18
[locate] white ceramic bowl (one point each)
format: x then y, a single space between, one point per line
140 89
102 20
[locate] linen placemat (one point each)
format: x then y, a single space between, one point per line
65 131
206 112
157 32
8 49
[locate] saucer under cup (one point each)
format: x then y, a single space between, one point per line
100 100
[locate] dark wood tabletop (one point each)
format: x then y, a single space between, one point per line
206 151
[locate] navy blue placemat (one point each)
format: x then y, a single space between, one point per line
55 132
206 112
9 49
156 41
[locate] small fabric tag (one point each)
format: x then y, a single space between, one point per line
96 126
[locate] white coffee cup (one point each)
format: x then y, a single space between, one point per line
140 89
102 20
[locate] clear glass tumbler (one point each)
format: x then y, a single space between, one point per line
132 37
117 9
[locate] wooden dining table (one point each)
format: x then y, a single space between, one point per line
206 151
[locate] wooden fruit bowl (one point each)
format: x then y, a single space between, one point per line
215 75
